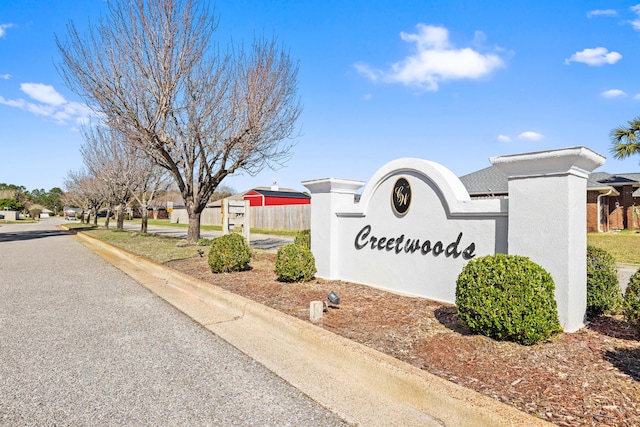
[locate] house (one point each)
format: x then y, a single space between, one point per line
274 196
69 210
613 201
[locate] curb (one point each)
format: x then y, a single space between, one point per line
361 385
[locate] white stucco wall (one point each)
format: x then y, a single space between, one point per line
441 213
544 219
548 217
9 215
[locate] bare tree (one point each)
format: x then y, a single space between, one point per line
126 171
148 181
150 70
110 162
222 192
84 192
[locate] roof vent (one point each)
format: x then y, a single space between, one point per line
274 186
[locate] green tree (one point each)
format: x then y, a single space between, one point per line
54 199
14 197
11 204
50 199
625 140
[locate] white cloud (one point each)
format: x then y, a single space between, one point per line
3 29
637 97
5 76
531 136
50 104
43 93
504 138
365 69
613 93
435 60
595 57
602 12
636 22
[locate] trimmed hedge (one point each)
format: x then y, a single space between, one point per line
631 304
303 238
507 297
603 293
229 253
295 263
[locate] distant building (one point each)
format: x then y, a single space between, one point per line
275 196
70 210
613 201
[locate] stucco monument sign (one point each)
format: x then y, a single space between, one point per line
415 225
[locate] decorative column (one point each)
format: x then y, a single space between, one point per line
548 220
328 196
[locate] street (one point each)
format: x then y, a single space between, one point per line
81 343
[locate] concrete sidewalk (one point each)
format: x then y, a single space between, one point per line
361 385
625 271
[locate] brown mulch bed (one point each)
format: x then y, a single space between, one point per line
591 377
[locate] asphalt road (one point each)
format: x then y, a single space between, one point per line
83 344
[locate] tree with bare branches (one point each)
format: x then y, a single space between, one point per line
125 171
108 161
151 71
83 191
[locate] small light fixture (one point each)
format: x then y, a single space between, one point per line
332 300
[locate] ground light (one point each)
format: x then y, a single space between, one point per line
332 300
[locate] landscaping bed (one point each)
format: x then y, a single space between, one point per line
591 377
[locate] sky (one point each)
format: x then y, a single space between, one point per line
455 82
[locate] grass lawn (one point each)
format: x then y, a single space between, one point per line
20 221
158 248
624 246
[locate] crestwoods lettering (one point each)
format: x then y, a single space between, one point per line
399 244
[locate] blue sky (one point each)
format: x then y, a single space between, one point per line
455 82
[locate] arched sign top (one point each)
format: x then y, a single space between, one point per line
444 181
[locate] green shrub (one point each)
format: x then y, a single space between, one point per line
303 238
229 253
631 304
295 263
603 293
507 297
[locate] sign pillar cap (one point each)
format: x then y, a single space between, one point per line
578 161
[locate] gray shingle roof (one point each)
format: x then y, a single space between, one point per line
492 182
487 181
